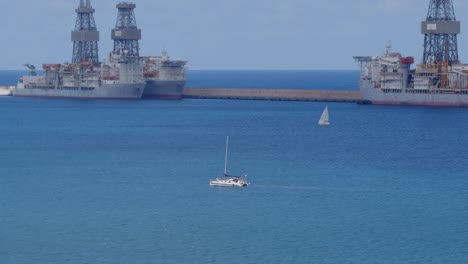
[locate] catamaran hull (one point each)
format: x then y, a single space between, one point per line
377 96
106 91
227 185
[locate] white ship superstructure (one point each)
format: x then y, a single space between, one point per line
388 79
116 80
439 80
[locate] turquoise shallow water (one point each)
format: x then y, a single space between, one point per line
127 182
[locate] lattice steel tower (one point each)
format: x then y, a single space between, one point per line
440 33
85 37
126 34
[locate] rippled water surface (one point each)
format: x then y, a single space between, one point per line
127 182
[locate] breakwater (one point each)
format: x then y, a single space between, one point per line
273 94
259 94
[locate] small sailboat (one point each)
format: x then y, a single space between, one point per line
324 118
228 180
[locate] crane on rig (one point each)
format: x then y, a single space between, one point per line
31 69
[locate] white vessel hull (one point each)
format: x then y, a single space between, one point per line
5 92
371 95
227 184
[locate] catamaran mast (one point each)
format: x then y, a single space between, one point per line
226 157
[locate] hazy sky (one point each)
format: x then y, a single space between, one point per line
225 34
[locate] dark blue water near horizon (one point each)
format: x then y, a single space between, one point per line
275 79
89 181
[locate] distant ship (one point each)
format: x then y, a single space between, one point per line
389 80
165 78
439 80
121 78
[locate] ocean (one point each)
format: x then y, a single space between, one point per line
89 181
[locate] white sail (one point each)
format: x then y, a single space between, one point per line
324 118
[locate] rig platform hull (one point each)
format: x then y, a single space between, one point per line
106 91
168 90
439 97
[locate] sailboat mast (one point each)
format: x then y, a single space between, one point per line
226 157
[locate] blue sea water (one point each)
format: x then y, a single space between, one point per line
88 181
8 78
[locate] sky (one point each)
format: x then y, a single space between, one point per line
229 35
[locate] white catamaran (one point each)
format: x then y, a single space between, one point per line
228 180
324 118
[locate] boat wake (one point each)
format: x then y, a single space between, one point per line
289 187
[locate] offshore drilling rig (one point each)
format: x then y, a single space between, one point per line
85 37
440 33
439 80
86 77
126 48
119 77
440 40
126 33
165 78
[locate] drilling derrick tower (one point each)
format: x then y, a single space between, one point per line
126 34
440 33
85 37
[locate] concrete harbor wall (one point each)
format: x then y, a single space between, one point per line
273 94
